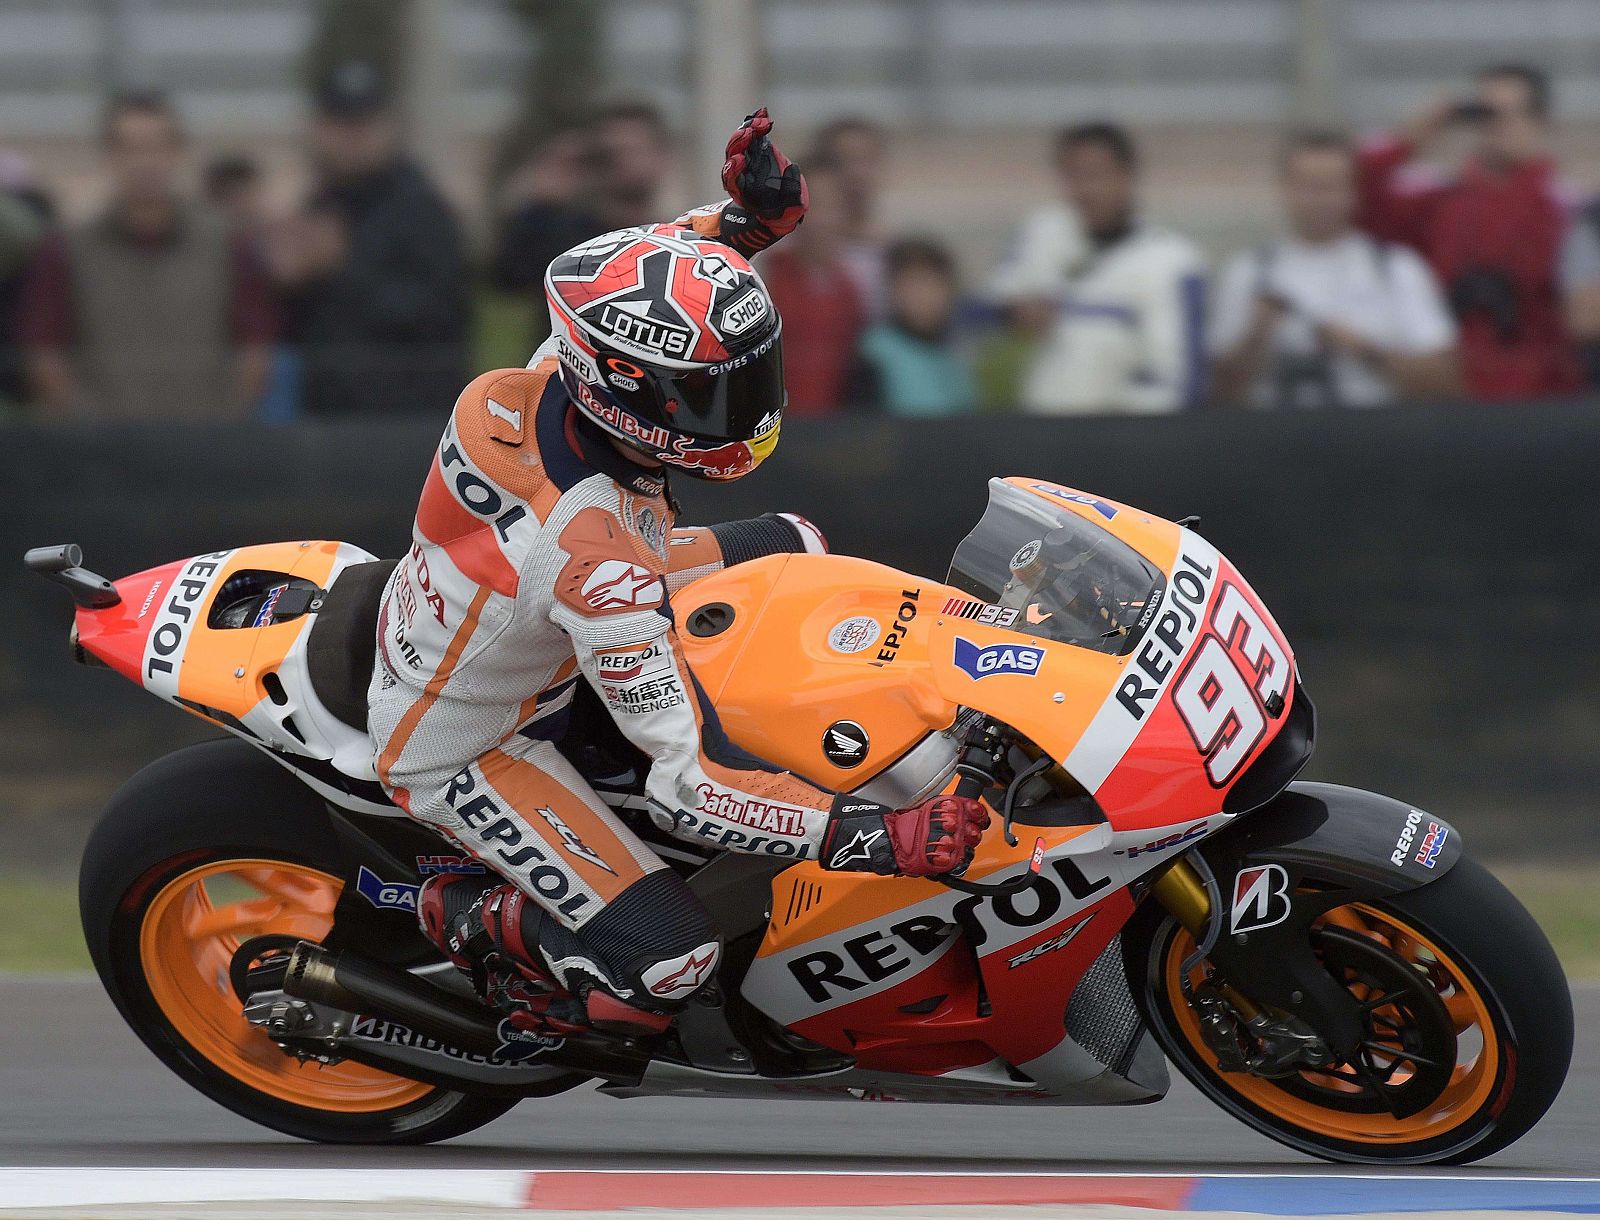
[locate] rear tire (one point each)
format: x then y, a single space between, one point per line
221 812
1504 969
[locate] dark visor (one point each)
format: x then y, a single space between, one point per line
728 405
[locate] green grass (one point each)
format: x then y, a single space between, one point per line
503 328
39 922
39 928
1566 902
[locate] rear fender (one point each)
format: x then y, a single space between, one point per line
1312 848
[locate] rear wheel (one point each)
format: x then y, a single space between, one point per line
1468 1027
208 848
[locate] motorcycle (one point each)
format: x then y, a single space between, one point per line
1325 964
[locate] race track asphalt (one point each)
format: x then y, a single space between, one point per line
77 1088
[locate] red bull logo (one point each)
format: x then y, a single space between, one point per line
727 461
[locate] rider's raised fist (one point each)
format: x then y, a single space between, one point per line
764 184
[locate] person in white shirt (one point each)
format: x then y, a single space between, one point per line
1117 304
1329 316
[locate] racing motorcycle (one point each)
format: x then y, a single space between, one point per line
1323 963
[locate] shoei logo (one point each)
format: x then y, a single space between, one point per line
986 662
579 362
1260 898
745 312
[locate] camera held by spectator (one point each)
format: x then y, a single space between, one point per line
1328 316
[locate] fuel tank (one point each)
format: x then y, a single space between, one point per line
820 663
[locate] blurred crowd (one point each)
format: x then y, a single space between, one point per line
1395 275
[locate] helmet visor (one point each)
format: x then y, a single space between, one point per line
736 400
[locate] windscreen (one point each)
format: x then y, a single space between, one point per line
1061 576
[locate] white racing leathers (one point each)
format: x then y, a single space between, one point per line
542 558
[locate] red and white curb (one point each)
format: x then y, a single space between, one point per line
697 1192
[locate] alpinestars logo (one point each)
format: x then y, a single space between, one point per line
1260 898
859 848
618 585
681 975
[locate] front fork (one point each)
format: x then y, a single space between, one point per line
1263 1040
1184 896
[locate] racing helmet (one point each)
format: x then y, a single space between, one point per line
671 344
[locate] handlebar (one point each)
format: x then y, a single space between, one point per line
974 779
1013 885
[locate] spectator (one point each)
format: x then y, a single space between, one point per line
1580 284
154 309
233 187
1330 316
633 156
374 263
1492 233
1116 302
25 213
857 146
908 364
821 308
550 210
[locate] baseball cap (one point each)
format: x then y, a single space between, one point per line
352 89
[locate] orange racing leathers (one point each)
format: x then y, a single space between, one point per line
540 558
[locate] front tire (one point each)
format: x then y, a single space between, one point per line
198 852
1497 1028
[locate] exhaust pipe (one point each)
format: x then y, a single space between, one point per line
357 984
360 985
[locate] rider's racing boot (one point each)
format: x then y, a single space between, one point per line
489 930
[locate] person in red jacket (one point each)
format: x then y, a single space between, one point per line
1492 233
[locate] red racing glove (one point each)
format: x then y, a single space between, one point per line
937 836
768 190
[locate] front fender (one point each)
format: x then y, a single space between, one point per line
1332 834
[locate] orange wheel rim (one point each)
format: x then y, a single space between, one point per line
1478 1052
190 932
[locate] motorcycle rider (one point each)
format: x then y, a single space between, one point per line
544 554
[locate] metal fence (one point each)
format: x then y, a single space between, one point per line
952 63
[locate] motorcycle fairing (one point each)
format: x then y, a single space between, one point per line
788 645
909 976
252 681
1163 731
906 975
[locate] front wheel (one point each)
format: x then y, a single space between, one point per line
1469 1027
200 851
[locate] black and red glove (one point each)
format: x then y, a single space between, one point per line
768 190
937 836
